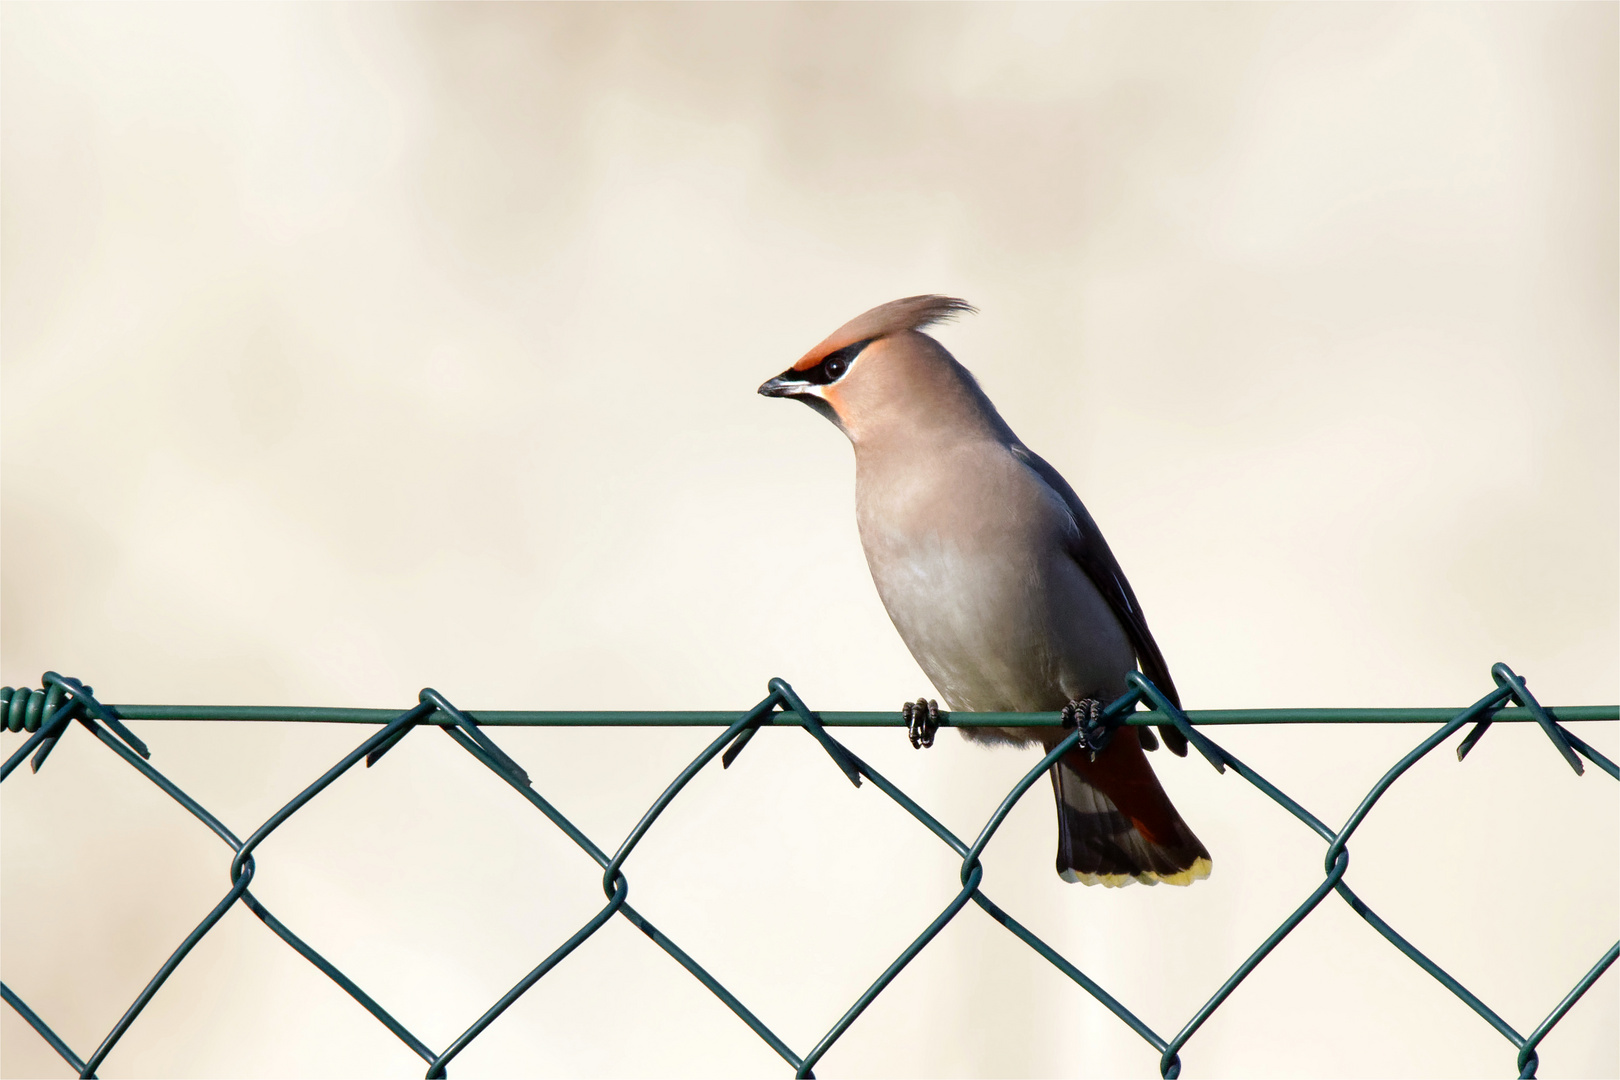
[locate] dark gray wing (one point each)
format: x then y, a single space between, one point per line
1092 554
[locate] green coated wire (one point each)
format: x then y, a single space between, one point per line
725 718
49 713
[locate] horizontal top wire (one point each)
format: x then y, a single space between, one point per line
507 718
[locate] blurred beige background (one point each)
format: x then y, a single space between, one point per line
349 350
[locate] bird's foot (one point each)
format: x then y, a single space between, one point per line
922 720
1086 714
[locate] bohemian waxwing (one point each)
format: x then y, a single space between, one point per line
998 580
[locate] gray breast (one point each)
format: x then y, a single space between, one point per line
969 557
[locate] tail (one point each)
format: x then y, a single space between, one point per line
1115 823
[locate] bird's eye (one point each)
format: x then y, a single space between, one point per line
835 365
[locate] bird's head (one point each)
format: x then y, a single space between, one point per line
876 368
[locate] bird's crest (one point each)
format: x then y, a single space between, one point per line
897 316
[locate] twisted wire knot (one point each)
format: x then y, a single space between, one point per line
24 709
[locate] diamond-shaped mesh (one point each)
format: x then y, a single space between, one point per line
47 714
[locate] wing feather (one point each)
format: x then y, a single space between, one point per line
1091 552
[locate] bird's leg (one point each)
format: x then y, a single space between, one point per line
1086 714
922 720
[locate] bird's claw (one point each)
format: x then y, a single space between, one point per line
1086 714
922 721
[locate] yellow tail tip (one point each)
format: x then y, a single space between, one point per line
1196 872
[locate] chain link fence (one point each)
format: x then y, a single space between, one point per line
47 714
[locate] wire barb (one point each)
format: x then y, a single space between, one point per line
1505 677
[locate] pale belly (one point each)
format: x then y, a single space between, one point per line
995 626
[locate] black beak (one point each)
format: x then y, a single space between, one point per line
793 384
784 385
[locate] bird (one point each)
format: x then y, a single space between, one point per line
998 580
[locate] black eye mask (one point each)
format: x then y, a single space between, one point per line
833 366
